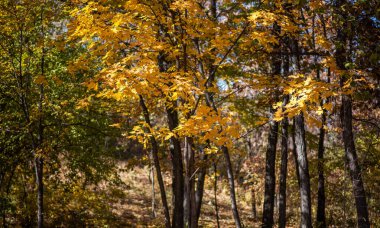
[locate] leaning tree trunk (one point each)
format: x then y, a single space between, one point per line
156 162
231 182
151 176
346 119
230 175
352 163
160 181
303 169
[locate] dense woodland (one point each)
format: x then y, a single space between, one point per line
189 113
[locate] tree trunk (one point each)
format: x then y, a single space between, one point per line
253 203
215 195
39 161
160 181
176 154
284 146
38 164
189 200
231 182
178 180
156 163
346 119
352 163
270 156
151 175
295 153
186 187
283 174
270 179
321 214
303 169
200 186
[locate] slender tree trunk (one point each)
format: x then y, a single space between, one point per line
268 207
200 185
295 153
187 188
156 163
283 173
153 192
352 163
176 155
216 195
230 175
189 201
210 102
284 148
346 119
160 181
321 207
270 156
38 163
231 182
321 214
303 169
253 203
299 142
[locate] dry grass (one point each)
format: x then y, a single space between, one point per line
135 209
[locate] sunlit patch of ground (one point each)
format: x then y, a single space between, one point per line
135 209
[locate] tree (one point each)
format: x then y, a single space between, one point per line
346 119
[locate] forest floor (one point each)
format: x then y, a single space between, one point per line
135 208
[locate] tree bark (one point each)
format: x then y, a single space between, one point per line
178 180
156 162
200 186
38 163
215 195
283 173
189 200
270 163
270 179
346 119
253 203
321 214
231 182
153 192
284 148
303 169
352 163
176 154
295 153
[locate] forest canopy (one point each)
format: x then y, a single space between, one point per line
189 113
